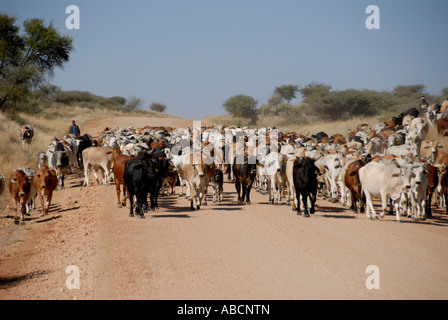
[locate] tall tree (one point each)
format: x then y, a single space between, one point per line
287 91
27 60
242 106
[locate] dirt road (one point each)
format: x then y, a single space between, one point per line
223 251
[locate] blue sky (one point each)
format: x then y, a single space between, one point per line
192 55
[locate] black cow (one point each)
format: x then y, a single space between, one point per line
244 175
144 175
162 167
399 119
305 175
138 176
85 141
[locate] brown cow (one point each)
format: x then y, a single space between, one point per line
118 170
20 188
442 158
351 180
442 126
444 184
429 151
338 138
433 175
45 182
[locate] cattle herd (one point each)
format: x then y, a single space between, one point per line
394 161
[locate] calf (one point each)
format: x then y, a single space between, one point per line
305 174
244 174
45 182
217 183
275 166
20 188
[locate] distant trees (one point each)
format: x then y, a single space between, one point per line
242 106
27 60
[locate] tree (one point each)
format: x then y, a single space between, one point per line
26 60
276 99
157 106
242 106
134 103
414 90
314 90
287 91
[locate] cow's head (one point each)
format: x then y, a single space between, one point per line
21 183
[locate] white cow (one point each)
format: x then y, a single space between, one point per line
98 158
420 125
419 180
383 179
275 167
333 164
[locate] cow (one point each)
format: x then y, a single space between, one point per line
385 180
244 174
275 166
419 181
118 171
333 164
444 186
305 174
98 158
139 174
162 168
85 141
42 159
420 125
198 170
26 135
433 176
351 181
429 151
442 126
399 119
217 184
21 189
45 182
58 159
